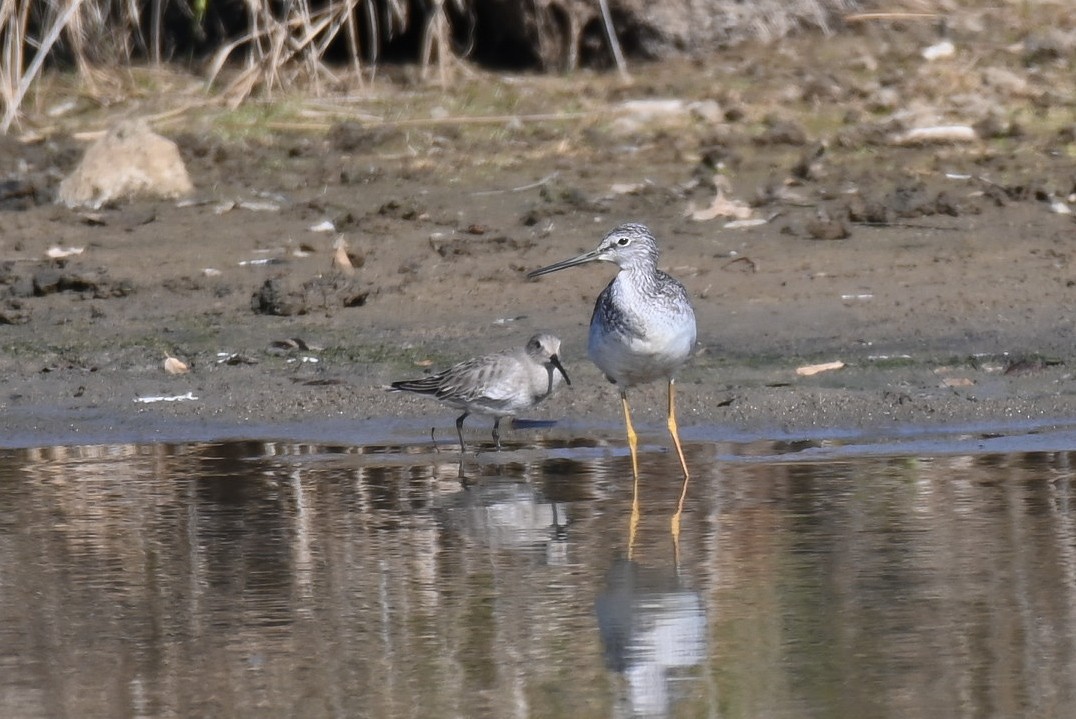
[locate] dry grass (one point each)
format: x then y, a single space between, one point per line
284 45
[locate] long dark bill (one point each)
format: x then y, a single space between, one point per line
563 265
556 363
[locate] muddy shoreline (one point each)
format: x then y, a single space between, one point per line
939 274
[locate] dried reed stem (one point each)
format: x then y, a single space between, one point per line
11 110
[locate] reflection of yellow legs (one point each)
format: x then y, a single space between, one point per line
673 430
633 444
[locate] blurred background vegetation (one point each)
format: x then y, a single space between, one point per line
244 47
236 49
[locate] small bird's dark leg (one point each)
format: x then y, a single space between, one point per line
497 432
459 428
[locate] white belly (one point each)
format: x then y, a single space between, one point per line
631 360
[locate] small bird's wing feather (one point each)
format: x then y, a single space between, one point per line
482 379
430 384
480 383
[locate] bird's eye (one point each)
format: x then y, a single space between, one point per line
624 241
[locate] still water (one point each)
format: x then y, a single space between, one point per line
922 576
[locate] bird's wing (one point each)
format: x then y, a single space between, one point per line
430 384
613 318
482 378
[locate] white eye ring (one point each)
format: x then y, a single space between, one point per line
624 241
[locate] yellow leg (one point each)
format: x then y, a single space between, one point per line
683 464
633 439
673 428
633 444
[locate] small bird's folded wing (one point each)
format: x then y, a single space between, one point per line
488 378
430 384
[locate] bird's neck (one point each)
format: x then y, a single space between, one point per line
638 276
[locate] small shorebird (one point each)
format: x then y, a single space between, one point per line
499 385
642 329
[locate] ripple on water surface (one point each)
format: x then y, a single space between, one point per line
916 575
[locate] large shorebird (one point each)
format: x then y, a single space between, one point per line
642 330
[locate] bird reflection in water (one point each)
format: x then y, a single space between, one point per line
505 514
652 630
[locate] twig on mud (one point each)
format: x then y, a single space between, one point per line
321 109
432 121
747 260
863 16
522 188
164 117
907 226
